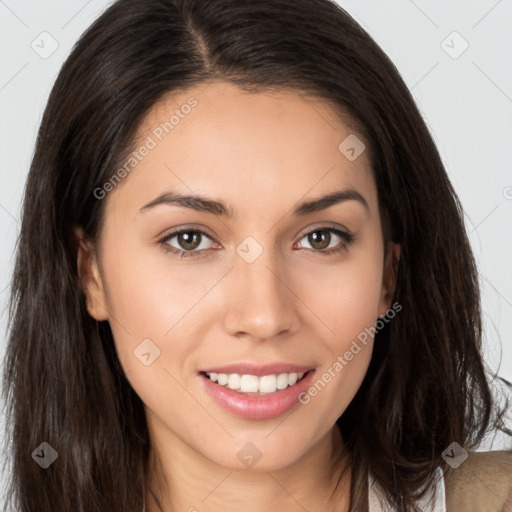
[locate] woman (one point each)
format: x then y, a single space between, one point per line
242 279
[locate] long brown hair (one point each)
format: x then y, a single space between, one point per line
427 385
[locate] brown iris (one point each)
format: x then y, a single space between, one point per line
189 239
321 241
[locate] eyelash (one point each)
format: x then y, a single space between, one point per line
348 238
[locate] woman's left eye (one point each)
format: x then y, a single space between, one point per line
321 239
191 242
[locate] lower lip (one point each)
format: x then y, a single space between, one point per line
258 407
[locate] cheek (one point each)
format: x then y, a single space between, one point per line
349 311
345 296
152 312
347 305
149 297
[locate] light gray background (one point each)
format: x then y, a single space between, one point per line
466 101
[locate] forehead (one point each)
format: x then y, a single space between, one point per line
251 149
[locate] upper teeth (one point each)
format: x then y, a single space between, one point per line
254 384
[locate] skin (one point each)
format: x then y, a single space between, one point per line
261 153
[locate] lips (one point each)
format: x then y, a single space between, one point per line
256 405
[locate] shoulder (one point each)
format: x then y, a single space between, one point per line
482 483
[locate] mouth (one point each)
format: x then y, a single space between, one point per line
257 397
255 385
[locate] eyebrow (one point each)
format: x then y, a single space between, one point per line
219 208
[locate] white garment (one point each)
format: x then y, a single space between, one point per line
432 502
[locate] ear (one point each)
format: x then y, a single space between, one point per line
389 276
89 276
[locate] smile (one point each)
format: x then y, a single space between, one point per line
253 384
257 397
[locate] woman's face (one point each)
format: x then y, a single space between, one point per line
272 288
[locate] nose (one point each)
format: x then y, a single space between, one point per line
261 304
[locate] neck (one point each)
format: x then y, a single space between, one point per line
185 481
